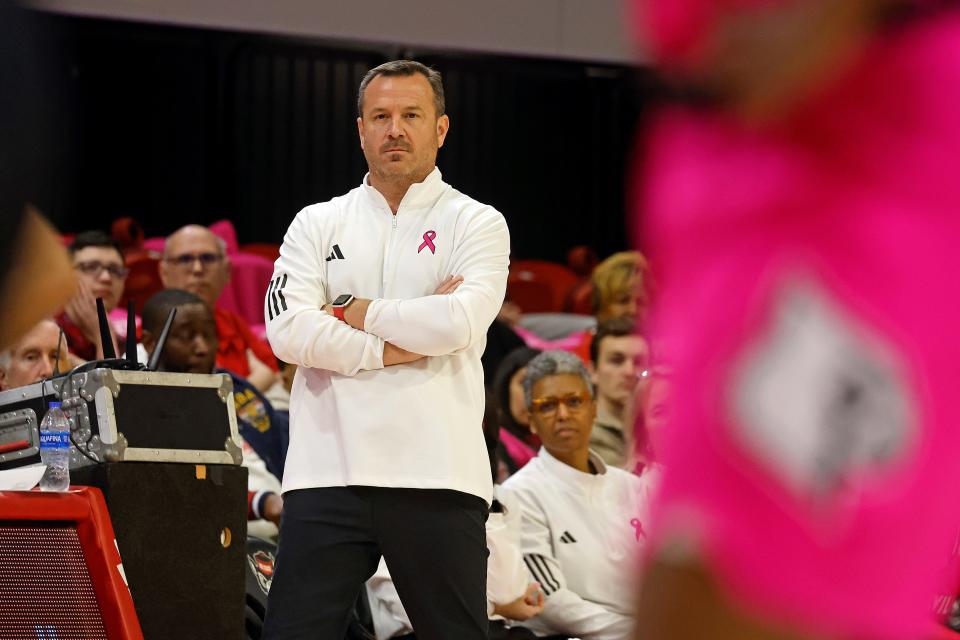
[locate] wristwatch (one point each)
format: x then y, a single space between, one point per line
340 305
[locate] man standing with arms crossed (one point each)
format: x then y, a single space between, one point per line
383 297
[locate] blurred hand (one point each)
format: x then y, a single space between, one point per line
261 376
82 311
525 607
273 508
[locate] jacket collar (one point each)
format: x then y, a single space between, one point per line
570 476
420 195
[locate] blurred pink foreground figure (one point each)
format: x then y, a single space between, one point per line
811 307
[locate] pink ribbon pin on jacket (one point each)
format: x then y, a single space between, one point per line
428 239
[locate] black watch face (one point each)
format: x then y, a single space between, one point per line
342 300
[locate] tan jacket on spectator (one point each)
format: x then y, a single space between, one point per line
607 440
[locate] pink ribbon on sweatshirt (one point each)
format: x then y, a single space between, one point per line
638 528
428 239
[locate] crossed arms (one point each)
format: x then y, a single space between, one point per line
385 332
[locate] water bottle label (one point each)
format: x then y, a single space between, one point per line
55 440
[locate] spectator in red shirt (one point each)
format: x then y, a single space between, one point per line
195 260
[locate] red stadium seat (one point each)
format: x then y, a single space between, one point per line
142 282
266 250
537 286
580 298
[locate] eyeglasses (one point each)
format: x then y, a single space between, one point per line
95 268
548 407
186 260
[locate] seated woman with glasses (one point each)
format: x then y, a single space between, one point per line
582 525
102 273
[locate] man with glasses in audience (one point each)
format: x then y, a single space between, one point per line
102 273
195 260
583 522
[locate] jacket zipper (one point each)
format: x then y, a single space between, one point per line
389 255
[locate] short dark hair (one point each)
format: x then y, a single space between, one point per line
156 309
553 363
95 238
508 367
405 68
612 328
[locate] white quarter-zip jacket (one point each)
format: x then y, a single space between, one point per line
353 421
581 539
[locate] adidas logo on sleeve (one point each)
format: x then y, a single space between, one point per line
336 254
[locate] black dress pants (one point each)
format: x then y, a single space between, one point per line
331 540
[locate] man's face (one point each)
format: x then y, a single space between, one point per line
195 262
32 358
621 361
191 344
562 413
631 302
102 270
400 132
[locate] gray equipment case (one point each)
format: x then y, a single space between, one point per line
118 415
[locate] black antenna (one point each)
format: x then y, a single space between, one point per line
158 350
106 338
131 335
56 363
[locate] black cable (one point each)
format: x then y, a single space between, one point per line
56 363
83 367
86 454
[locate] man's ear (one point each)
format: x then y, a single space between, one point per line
592 370
360 130
162 269
3 379
149 341
443 126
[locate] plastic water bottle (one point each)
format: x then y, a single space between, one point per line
55 449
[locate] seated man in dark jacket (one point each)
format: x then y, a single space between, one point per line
191 347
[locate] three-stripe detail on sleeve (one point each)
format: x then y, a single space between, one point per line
539 568
275 300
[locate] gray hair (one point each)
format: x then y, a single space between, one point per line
553 363
405 68
6 356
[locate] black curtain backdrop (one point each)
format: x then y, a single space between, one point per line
172 126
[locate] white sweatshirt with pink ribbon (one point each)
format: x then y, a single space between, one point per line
582 535
353 421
